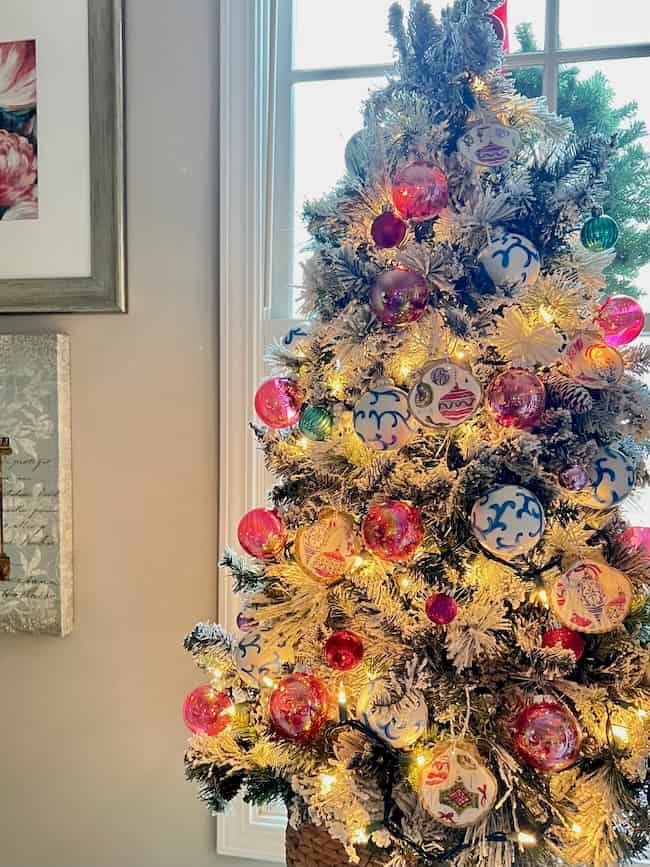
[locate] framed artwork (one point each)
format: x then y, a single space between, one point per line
61 156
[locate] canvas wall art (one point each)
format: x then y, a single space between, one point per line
18 131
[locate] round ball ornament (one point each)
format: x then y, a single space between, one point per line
457 789
566 638
256 658
591 597
381 417
445 395
511 260
547 736
592 362
441 609
344 650
621 320
489 144
420 190
278 402
636 538
388 230
207 711
296 339
508 521
393 530
499 29
315 423
262 533
399 725
611 479
324 549
517 398
246 623
299 707
599 233
399 296
356 154
574 478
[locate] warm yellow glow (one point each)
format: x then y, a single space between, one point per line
421 760
460 354
525 838
542 597
326 783
303 443
343 699
267 681
405 369
546 314
230 711
358 561
576 828
642 714
336 385
404 583
620 735
360 837
217 673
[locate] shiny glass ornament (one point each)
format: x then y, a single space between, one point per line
441 608
207 711
566 638
621 319
574 478
388 230
316 423
344 650
393 530
262 533
399 724
399 296
517 398
278 402
547 736
299 706
420 190
636 537
246 623
599 233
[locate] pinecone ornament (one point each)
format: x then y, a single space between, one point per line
567 393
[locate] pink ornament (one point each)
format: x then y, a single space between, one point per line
621 318
388 230
566 638
262 534
517 398
574 478
393 530
344 650
547 736
17 168
420 191
206 711
299 707
399 296
441 609
278 402
636 537
245 623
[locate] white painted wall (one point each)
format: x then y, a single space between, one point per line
90 733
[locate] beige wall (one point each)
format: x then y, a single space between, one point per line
91 742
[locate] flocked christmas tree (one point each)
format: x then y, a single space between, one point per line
442 643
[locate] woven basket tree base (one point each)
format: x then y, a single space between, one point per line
312 846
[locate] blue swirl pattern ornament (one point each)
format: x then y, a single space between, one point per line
382 418
255 657
399 725
508 521
611 479
511 260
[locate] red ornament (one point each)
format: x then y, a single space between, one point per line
517 398
206 711
344 650
636 537
299 706
441 608
574 478
278 402
388 230
399 296
621 318
566 638
420 191
547 736
262 534
393 530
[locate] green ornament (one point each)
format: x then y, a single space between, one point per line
599 233
315 422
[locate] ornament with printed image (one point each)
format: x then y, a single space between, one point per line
420 190
547 735
591 362
611 479
508 521
489 144
456 787
591 597
445 395
255 657
325 548
381 416
511 260
400 724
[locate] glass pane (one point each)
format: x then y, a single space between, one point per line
526 22
603 23
529 80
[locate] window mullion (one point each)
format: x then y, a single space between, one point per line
551 46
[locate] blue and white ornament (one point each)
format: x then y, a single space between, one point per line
255 657
611 479
382 418
400 725
508 521
296 339
511 260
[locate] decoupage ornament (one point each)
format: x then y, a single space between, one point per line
574 478
420 190
457 789
441 608
278 402
611 479
599 233
324 549
566 638
547 735
262 533
344 650
445 395
511 260
635 538
525 341
382 418
517 398
591 362
399 296
255 657
388 230
508 521
316 423
591 597
489 144
621 319
299 706
401 724
207 711
393 530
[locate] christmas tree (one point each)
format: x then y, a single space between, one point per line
441 655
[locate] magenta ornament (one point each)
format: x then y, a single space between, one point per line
393 530
207 711
245 623
636 537
344 650
278 402
441 608
517 398
547 736
388 230
420 190
621 319
399 296
262 533
299 707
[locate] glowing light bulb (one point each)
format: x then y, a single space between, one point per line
343 699
642 714
421 760
546 314
620 735
267 681
460 354
525 838
303 443
231 711
576 828
543 598
217 674
361 837
358 561
326 783
405 368
404 583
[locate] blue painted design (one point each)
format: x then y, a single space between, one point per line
293 334
514 242
612 477
381 418
508 520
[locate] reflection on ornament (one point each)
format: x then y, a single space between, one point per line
393 530
566 638
636 537
382 418
344 650
388 230
591 597
316 423
599 233
517 398
441 608
399 296
256 658
420 190
299 707
262 533
611 479
246 623
325 549
400 725
207 711
574 478
511 260
621 319
508 521
457 789
489 144
278 402
445 395
593 363
547 736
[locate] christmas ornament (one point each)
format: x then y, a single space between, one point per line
599 233
457 789
356 155
381 416
278 402
296 339
393 530
324 549
388 230
399 296
567 393
315 422
508 521
499 25
445 395
441 608
591 597
574 478
511 260
610 479
621 319
636 537
344 650
420 191
206 711
262 533
517 398
593 363
523 341
547 736
256 658
246 623
566 638
400 724
489 144
299 706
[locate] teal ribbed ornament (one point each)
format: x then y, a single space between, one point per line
315 422
599 233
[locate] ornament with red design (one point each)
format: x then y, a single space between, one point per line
278 402
344 650
207 711
621 320
441 608
399 296
592 362
324 549
547 735
393 530
262 533
420 190
456 788
388 230
299 706
517 398
591 597
636 538
445 395
566 638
